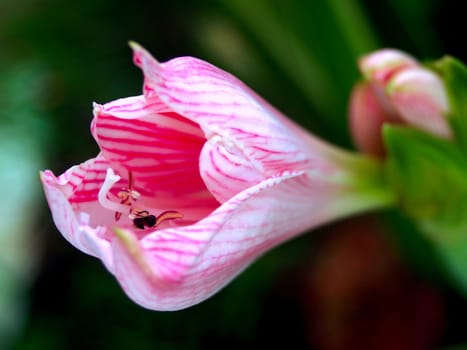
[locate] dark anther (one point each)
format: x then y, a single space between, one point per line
144 220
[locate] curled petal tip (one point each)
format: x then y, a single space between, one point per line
381 65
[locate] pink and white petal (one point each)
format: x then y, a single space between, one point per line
366 118
73 225
98 242
142 58
380 66
86 181
175 268
158 147
225 169
222 105
420 98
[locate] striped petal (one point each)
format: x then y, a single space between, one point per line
227 109
158 147
225 170
175 268
72 198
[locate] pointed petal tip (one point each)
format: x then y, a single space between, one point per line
134 45
141 57
43 178
138 49
46 176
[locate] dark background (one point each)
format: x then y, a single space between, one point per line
367 283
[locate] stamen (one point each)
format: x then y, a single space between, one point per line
142 219
110 179
134 213
168 215
125 194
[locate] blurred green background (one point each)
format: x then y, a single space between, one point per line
367 283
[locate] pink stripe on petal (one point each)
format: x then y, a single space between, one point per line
73 224
158 149
225 170
84 179
222 105
226 242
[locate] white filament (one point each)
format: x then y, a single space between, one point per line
110 179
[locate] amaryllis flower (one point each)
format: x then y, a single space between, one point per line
195 179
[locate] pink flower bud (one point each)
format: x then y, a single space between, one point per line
420 98
397 90
380 66
368 111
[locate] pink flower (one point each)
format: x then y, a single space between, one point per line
397 90
194 180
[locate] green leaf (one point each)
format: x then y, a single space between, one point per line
454 74
429 176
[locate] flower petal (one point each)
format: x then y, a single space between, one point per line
379 66
72 198
368 111
225 170
421 100
174 268
223 106
158 147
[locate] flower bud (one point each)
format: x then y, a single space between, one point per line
397 90
420 99
367 114
380 66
